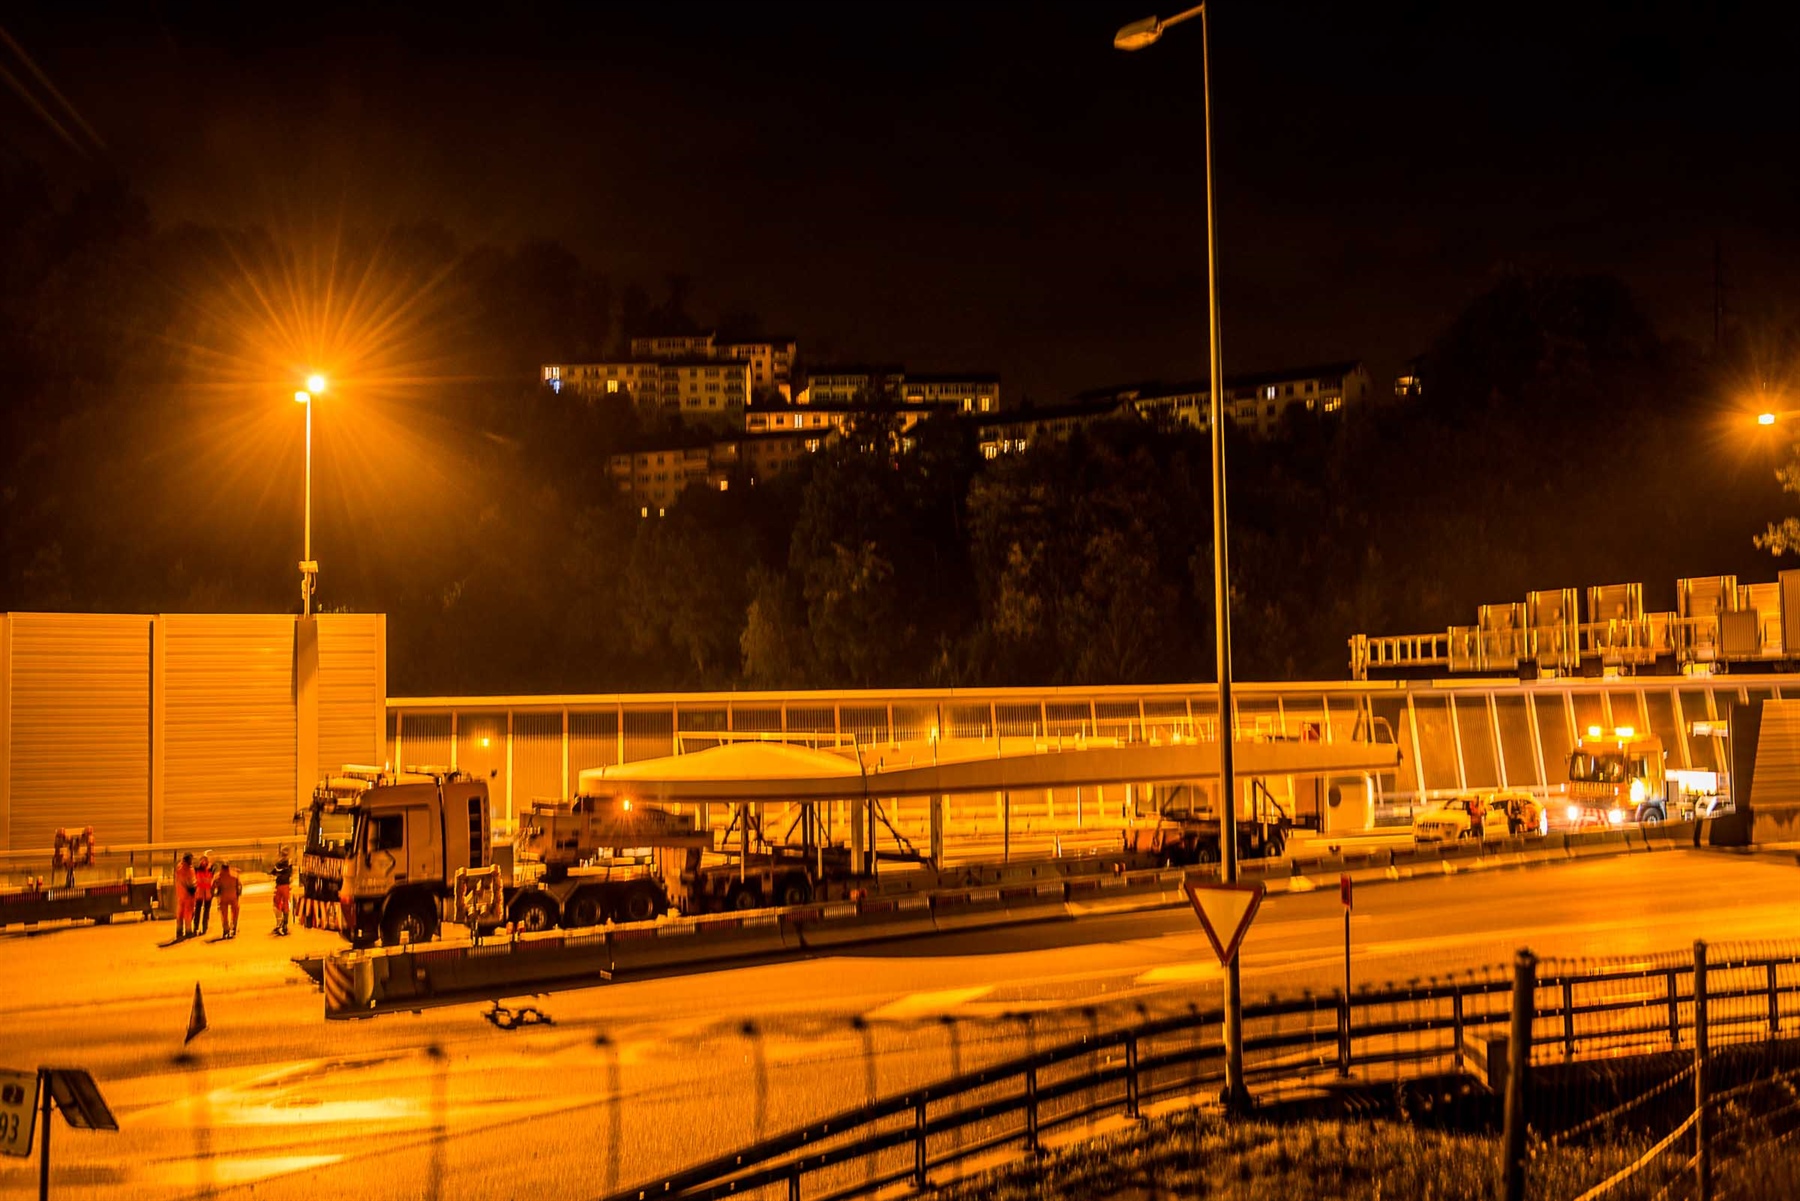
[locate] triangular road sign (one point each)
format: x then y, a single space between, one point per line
1226 911
196 1018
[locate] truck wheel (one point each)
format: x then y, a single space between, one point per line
410 922
1649 815
744 896
637 905
1206 852
534 913
794 890
584 910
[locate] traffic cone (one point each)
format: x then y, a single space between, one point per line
196 1018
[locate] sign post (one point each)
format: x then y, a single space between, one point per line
1345 895
24 1094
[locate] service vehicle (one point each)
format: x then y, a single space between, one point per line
398 853
1620 777
1525 814
1460 818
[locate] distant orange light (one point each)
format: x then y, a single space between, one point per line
315 383
303 397
1765 419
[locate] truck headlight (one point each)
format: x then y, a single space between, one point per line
1616 816
1574 815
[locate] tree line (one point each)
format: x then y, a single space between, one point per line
150 465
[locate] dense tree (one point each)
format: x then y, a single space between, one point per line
149 461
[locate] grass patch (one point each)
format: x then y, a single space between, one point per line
1200 1155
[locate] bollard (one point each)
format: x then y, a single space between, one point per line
1518 1075
1702 1153
1343 1032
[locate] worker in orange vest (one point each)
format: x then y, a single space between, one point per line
184 897
203 894
228 886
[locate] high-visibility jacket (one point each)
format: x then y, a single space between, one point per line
203 883
227 884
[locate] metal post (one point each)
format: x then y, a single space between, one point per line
1031 1112
1673 989
44 1143
1343 1017
1702 1127
919 1146
794 1184
1774 1002
1568 1017
306 585
1131 1076
1518 1074
1456 1018
1236 1095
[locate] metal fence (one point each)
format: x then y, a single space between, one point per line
1608 1040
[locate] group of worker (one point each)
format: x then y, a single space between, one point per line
198 882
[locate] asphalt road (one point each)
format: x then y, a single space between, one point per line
637 1078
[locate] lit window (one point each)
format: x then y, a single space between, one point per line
1269 392
612 385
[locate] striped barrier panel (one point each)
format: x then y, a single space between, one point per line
1036 902
698 940
895 917
967 910
830 925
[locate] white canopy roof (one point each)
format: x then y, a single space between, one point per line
772 771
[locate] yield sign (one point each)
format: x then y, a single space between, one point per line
1226 911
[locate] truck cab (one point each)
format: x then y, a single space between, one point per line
1617 777
391 843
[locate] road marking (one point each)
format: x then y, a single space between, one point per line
927 1004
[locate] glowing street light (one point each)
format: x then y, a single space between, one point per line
1136 36
1765 419
309 568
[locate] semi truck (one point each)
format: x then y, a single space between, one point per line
398 853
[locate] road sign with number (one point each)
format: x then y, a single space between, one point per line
1225 912
18 1111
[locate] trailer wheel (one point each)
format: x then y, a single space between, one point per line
794 890
744 896
1206 852
637 905
409 922
534 913
585 910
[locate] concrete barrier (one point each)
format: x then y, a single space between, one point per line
1035 903
967 910
896 917
827 925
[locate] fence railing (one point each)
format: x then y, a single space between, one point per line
980 1118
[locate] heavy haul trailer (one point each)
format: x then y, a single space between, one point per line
1717 624
749 871
397 854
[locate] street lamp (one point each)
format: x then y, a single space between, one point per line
309 570
1136 36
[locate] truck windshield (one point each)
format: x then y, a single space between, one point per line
1596 769
329 832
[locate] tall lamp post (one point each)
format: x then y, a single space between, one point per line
309 570
1136 36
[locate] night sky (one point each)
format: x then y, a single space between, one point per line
984 186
